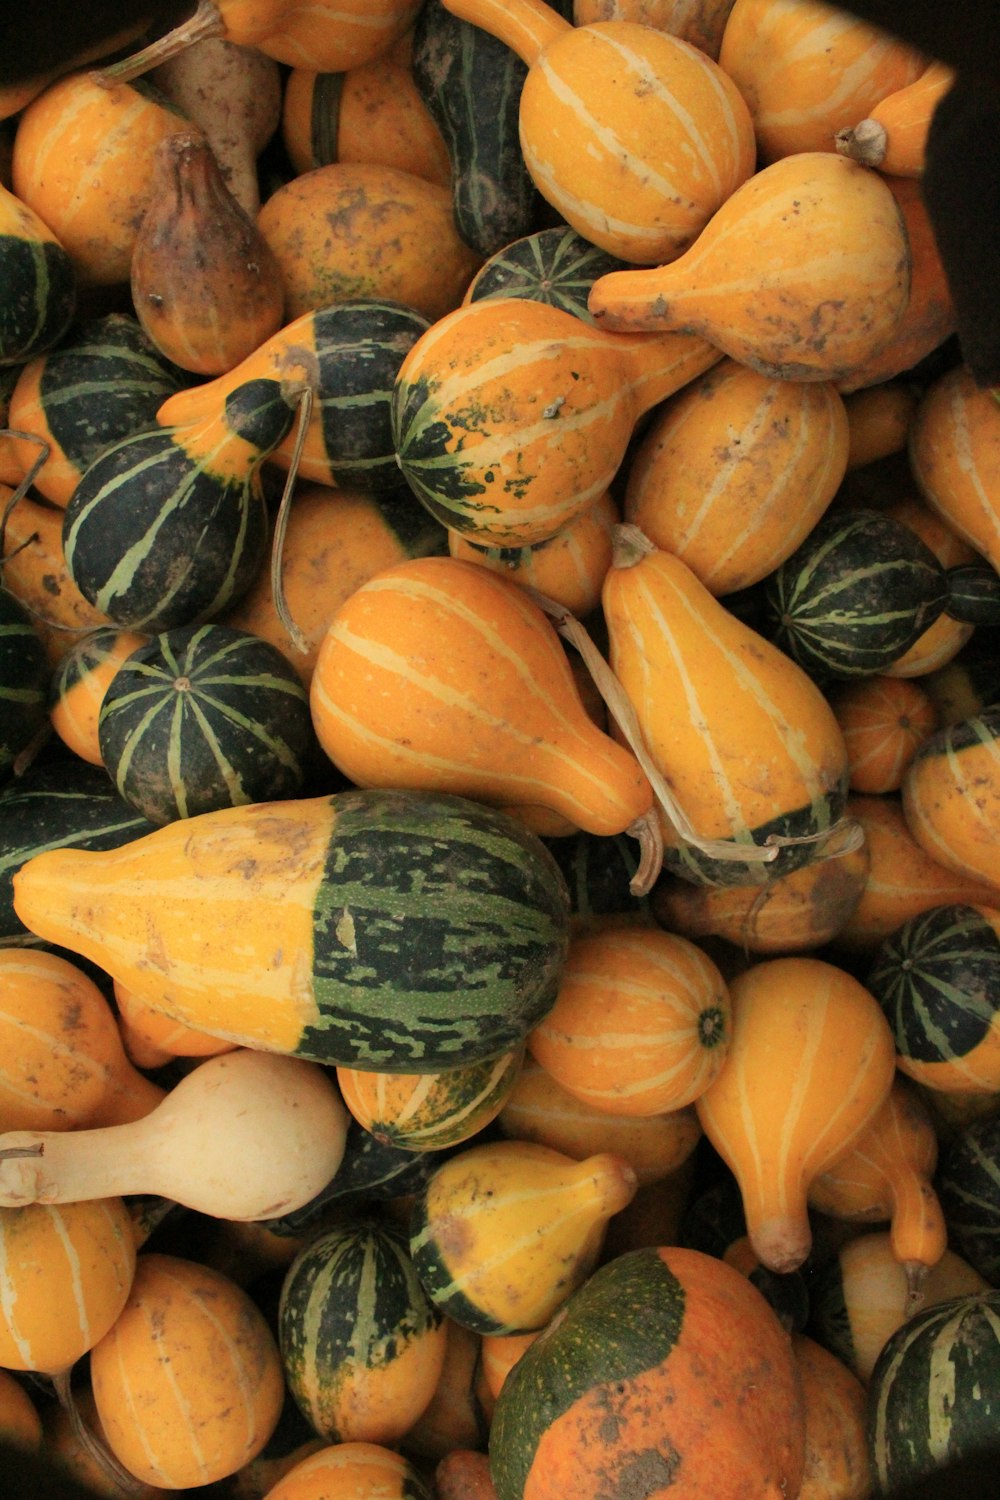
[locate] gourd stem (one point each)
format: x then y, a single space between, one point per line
305 403
650 836
526 26
204 23
864 142
916 1277
28 479
119 1476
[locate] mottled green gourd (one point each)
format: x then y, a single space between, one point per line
24 681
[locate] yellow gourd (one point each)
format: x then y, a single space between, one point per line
810 1062
955 455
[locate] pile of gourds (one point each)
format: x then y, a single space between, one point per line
500 734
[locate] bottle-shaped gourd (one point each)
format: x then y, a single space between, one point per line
511 416
634 136
803 273
810 1061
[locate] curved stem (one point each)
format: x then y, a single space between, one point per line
205 22
304 396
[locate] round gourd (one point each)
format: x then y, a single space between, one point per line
554 265
951 797
943 640
362 1344
203 717
429 1111
80 683
24 681
954 451
351 1471
40 283
836 1454
884 721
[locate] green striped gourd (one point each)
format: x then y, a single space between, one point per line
974 594
937 978
80 681
951 797
362 1344
386 930
599 870
350 353
203 717
102 382
968 1185
554 265
429 1111
24 681
168 526
855 595
511 416
934 1393
59 803
39 281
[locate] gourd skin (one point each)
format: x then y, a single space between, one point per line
40 283
951 797
954 452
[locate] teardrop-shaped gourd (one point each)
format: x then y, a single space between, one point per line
188 1382
836 1466
296 926
755 753
886 1175
439 675
429 1111
893 135
640 1024
955 457
511 416
280 1113
67 1271
504 1232
951 797
734 471
884 721
80 682
803 273
810 1062
39 279
63 1065
807 69
205 284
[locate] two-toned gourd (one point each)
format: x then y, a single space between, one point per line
951 797
40 282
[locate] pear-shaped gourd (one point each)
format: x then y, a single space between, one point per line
634 136
280 1114
441 675
810 1061
803 273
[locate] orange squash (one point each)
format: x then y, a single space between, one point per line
837 1465
454 1416
878 421
884 721
943 639
429 1111
893 135
700 22
955 457
437 673
802 273
733 472
808 69
151 1038
640 1024
188 1381
20 1420
351 1471
634 136
810 1062
951 797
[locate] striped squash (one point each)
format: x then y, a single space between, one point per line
554 265
511 416
59 803
429 1111
937 977
735 470
35 572
951 797
968 1182
504 1231
39 280
943 640
361 1343
103 381
80 683
67 1271
24 681
884 721
333 950
954 451
918 1421
351 352
202 717
167 527
188 1381
974 594
854 595
602 133
352 1471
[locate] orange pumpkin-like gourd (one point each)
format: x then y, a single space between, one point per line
951 797
893 135
429 1111
878 421
80 683
803 273
884 721
955 457
351 1471
634 136
810 1062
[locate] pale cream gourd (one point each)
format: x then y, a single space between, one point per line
246 1135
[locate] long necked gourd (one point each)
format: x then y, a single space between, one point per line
280 1116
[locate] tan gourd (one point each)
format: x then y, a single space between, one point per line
802 273
700 22
837 1464
893 135
810 1062
280 1113
955 457
951 798
634 136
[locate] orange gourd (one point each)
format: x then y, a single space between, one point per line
188 1381
360 229
878 421
951 797
634 136
893 135
351 1471
640 1024
734 471
439 674
74 1439
429 1111
837 1466
20 1421
943 639
81 681
808 69
955 457
700 22
803 273
151 1038
810 1062
500 1353
884 721
35 572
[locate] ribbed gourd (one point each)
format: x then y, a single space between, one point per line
167 527
296 926
80 682
430 1111
40 283
554 265
954 450
951 797
352 1471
